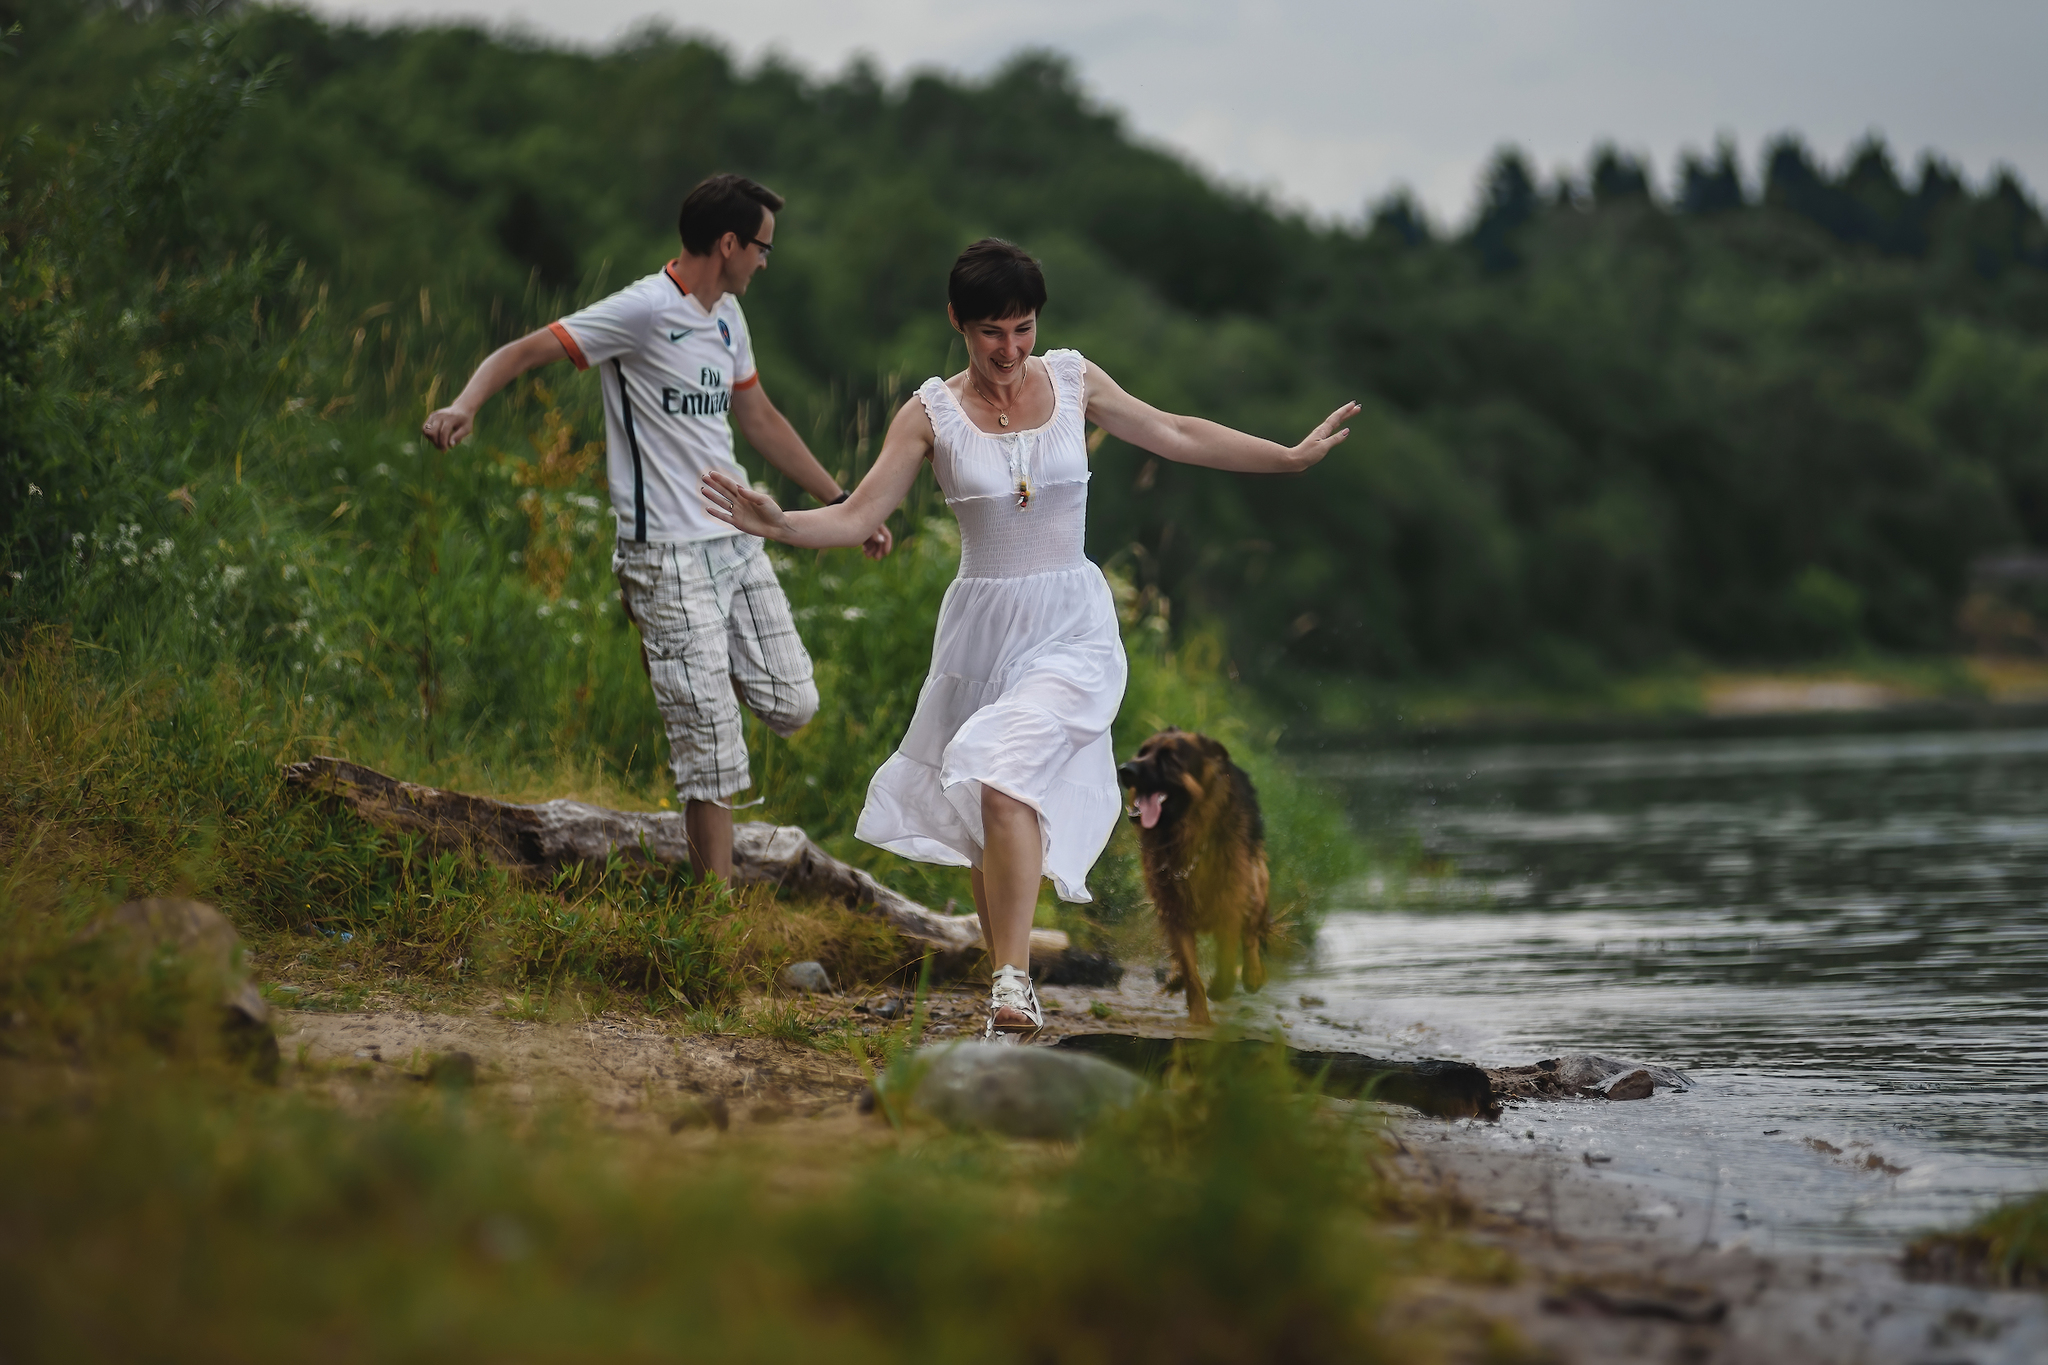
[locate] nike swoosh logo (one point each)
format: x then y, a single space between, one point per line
678 336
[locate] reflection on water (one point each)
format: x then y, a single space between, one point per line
1844 940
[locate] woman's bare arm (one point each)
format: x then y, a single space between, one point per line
1194 440
903 451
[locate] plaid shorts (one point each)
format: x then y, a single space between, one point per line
715 630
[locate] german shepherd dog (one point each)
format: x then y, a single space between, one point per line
1204 849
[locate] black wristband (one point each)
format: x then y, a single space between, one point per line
841 498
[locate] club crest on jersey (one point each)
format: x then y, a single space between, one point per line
725 333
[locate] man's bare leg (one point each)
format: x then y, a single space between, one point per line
708 827
1006 884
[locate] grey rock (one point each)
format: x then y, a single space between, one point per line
197 931
1029 1092
807 977
1591 1071
202 935
1637 1085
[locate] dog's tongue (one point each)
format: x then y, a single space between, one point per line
1148 808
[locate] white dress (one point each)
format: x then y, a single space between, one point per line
1028 666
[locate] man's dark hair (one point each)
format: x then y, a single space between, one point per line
722 204
994 280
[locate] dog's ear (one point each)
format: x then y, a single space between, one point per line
1212 749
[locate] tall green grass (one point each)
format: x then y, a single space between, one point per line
171 786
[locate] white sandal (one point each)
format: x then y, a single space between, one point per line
1011 990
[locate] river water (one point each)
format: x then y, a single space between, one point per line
1842 939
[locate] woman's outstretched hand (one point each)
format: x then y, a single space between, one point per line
743 508
1327 434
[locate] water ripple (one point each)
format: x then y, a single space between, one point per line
1842 938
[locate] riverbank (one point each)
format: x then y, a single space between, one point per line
1591 1268
1696 700
1617 1272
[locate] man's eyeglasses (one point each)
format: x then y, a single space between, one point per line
766 247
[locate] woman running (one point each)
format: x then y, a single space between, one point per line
1007 767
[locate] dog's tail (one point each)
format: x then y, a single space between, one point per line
1260 927
1261 921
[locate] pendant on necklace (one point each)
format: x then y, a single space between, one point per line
1002 419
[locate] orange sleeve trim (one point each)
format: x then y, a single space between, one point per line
569 345
748 382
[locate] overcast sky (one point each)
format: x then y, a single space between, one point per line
1330 104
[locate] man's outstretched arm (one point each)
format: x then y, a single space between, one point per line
452 424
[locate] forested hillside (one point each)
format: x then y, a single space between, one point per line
1601 429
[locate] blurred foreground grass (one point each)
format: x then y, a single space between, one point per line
155 1203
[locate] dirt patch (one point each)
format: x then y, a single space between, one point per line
633 1073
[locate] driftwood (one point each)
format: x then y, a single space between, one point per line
540 838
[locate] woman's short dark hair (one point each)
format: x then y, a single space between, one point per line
722 204
994 280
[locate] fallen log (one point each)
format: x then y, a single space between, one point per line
1451 1090
543 837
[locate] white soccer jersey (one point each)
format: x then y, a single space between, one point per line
669 370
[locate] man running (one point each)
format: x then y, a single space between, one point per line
675 357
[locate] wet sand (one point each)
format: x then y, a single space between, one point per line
1619 1272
